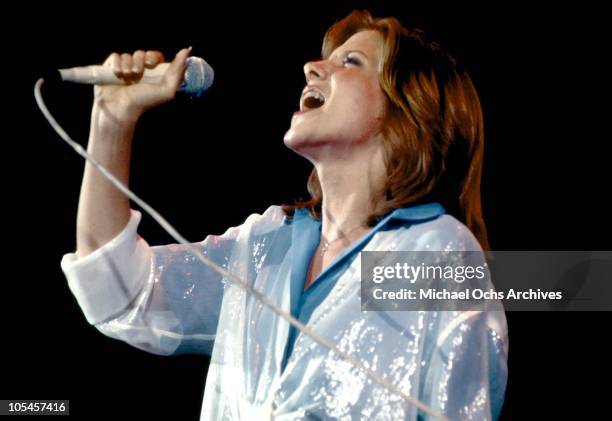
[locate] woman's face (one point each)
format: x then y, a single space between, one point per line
342 104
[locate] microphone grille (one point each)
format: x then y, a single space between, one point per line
199 76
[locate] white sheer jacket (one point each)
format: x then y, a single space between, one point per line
165 301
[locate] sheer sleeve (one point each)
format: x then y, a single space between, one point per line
465 368
159 299
465 356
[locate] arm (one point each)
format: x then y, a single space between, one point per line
162 299
466 352
103 210
159 299
112 266
465 368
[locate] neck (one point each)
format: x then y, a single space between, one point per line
350 188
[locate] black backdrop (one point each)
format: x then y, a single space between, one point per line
208 164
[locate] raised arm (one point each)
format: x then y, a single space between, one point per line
103 210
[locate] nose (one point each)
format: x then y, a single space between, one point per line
315 70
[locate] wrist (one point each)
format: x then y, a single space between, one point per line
110 133
116 119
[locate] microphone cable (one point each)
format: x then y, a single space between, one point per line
222 271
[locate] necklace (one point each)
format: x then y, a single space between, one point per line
326 243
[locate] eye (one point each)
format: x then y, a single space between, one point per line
351 60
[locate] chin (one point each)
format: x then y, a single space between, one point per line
299 144
293 140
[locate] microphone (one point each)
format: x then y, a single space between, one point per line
199 76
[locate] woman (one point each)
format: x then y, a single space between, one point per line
393 129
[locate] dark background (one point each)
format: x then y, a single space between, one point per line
208 164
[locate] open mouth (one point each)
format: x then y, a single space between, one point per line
311 100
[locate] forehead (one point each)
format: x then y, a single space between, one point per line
369 42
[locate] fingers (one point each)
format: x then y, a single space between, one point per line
141 96
126 66
130 67
153 58
114 61
138 60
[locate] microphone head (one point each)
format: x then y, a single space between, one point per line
199 77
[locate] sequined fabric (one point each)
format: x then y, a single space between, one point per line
163 300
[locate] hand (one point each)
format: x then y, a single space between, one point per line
125 104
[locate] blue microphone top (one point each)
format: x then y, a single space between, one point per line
199 76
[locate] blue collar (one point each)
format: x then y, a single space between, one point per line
418 212
410 213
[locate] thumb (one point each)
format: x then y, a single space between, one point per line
174 74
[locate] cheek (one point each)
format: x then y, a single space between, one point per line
365 98
365 107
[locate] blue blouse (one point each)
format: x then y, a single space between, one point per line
164 300
306 234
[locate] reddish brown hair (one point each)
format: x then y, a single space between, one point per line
433 129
